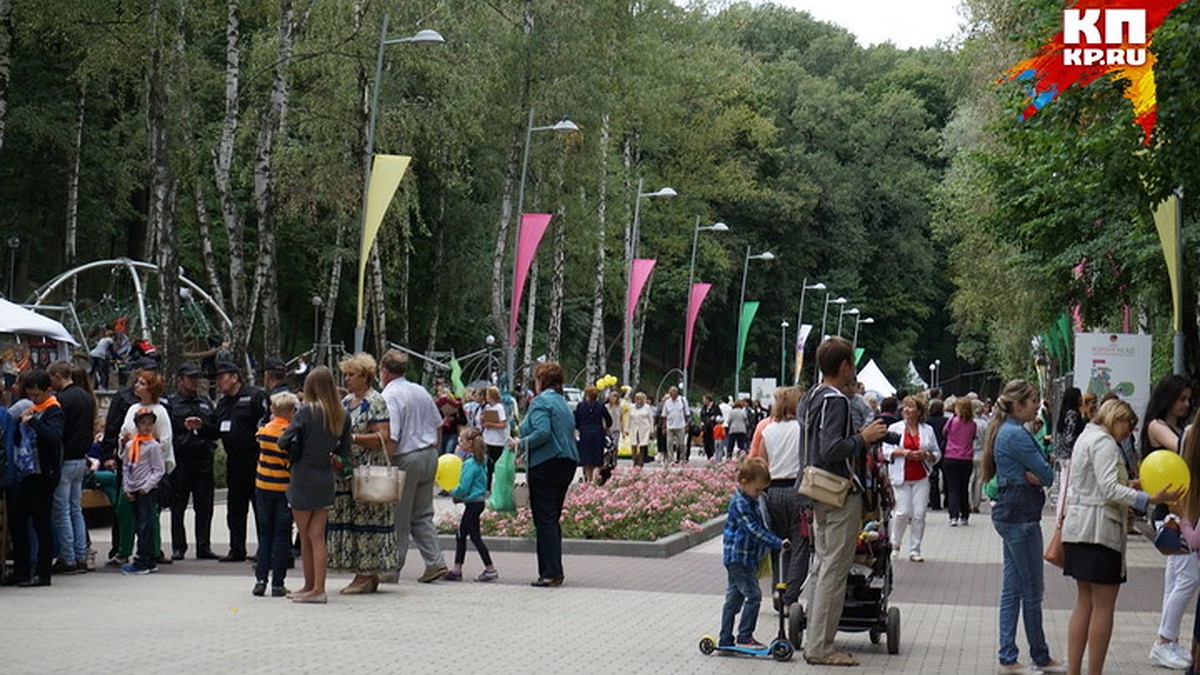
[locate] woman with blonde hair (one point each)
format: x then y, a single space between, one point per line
912 461
641 427
362 536
1093 531
320 430
1012 455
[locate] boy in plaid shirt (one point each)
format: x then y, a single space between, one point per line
746 538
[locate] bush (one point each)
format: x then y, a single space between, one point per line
636 504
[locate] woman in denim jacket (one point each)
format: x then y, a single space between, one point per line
1012 455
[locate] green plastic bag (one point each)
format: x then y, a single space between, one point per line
503 477
991 489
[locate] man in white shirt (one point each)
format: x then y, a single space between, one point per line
675 411
413 442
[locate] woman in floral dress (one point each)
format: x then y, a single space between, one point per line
361 535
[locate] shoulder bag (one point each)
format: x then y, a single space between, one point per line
377 484
1055 553
817 483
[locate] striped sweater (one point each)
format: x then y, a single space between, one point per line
273 465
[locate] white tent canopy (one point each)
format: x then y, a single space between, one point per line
914 377
873 379
16 319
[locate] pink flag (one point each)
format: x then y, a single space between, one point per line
638 277
695 298
529 236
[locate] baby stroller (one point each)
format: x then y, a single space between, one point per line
869 584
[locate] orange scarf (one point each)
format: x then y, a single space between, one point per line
50 402
135 446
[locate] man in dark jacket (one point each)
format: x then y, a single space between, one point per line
35 493
194 434
79 413
238 414
829 442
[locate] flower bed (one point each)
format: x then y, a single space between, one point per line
635 505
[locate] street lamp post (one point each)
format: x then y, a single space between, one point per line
317 301
715 227
825 312
14 243
857 323
853 312
422 37
931 375
765 255
783 326
630 254
564 126
938 371
800 320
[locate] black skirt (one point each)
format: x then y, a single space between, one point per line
1093 563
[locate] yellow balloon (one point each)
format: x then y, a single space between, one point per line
449 471
1162 468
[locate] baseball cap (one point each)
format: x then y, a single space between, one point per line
227 367
188 369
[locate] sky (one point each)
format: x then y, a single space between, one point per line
905 23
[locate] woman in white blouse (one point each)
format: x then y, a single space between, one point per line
912 455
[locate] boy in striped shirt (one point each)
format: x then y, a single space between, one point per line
272 514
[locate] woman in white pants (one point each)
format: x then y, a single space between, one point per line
911 459
1166 413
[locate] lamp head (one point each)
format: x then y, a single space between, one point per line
663 192
765 255
718 227
425 36
838 301
819 286
869 319
784 324
564 126
317 301
853 312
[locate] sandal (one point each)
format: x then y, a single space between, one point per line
832 659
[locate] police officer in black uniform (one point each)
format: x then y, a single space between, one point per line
238 414
194 430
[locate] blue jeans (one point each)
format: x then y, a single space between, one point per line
274 535
742 593
69 527
1021 590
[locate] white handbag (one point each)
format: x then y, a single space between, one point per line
377 484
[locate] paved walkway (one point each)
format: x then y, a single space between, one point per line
613 615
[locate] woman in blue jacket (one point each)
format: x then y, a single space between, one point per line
1012 455
547 444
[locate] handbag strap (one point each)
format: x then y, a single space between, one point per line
1062 514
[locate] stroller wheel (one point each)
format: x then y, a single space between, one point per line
797 622
893 630
874 635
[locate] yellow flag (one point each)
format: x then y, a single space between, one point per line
386 173
1167 223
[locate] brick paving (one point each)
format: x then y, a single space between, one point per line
614 614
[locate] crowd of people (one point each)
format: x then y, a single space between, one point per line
288 458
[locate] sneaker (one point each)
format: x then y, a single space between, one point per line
279 591
433 574
1009 668
1166 654
260 589
488 575
117 561
954 522
1050 666
452 576
132 568
1182 652
751 643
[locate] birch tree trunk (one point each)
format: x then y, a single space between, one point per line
204 234
500 307
558 275
235 227
73 190
378 302
530 313
596 351
266 276
627 160
162 201
439 254
5 64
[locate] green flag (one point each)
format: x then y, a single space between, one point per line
748 311
456 378
858 354
1068 337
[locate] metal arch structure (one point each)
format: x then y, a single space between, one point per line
40 296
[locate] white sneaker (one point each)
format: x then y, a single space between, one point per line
1182 653
1167 655
1009 669
1051 667
954 522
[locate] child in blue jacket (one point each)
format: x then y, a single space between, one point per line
746 539
472 490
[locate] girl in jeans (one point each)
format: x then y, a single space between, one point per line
1012 455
